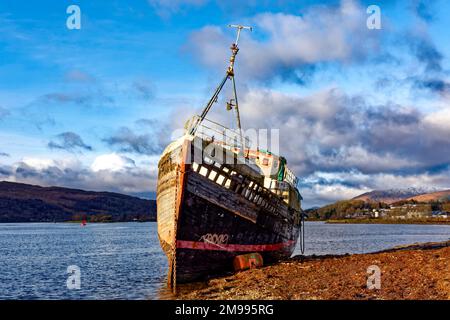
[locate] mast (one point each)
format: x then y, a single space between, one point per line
229 75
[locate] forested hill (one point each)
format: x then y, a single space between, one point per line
29 203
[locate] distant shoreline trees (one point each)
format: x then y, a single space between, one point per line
348 209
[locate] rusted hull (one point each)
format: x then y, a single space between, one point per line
209 213
210 236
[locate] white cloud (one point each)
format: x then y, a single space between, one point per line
112 162
440 119
109 172
319 195
45 163
321 34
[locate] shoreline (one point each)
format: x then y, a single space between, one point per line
439 222
416 271
331 221
74 222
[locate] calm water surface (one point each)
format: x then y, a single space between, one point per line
124 260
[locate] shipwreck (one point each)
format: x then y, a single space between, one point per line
218 199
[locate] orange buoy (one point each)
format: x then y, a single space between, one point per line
247 261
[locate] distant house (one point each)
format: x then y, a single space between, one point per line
440 214
375 213
416 214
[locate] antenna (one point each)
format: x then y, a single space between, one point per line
239 28
228 76
234 46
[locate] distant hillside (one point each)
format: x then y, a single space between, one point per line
393 202
434 196
29 203
345 208
391 195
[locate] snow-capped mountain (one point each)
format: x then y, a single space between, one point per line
393 195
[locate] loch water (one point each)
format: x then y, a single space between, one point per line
125 261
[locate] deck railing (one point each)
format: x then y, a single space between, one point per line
210 130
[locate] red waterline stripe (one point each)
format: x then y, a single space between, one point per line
197 245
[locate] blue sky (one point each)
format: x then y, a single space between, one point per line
92 108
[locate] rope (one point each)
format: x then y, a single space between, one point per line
302 233
174 249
